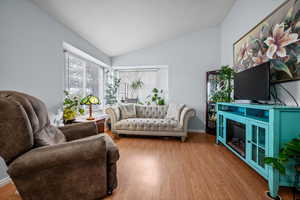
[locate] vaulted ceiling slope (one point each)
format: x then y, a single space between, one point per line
120 26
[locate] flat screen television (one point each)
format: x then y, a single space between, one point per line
253 83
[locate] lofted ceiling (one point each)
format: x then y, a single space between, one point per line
119 26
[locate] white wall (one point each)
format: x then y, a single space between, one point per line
188 58
243 16
31 54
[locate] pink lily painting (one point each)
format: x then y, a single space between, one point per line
276 40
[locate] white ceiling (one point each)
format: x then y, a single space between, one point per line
120 26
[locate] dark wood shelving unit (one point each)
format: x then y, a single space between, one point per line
211 86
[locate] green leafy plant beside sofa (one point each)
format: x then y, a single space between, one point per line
111 90
290 151
224 94
156 97
71 107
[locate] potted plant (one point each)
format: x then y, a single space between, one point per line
136 85
111 90
156 97
71 107
224 94
290 151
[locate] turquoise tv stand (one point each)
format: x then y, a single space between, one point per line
254 131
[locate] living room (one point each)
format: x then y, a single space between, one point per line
131 99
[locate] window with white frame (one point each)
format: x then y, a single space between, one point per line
151 77
83 77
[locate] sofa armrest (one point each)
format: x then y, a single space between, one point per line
53 156
114 116
185 116
79 130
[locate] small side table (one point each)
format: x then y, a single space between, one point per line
99 119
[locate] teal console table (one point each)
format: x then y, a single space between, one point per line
253 132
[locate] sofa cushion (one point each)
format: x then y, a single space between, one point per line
127 111
174 111
158 112
148 124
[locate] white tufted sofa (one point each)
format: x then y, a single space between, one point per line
150 120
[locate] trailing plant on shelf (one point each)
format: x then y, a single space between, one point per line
156 97
290 151
224 93
136 85
71 107
111 90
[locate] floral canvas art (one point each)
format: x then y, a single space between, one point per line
276 39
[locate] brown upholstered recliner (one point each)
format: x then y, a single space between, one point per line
49 163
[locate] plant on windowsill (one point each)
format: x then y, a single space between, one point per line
290 151
71 107
224 94
156 97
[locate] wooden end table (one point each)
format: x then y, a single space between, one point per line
99 119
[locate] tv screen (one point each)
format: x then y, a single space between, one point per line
253 83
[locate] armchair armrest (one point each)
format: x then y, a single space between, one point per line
79 130
57 155
185 115
114 114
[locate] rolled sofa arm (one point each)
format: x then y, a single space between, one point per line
185 116
114 114
57 155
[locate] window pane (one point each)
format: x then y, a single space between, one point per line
75 76
84 77
254 153
151 78
92 77
261 137
261 157
254 134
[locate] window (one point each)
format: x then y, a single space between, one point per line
83 77
151 77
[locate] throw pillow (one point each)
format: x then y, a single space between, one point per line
174 111
127 111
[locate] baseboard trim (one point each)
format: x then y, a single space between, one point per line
196 131
5 181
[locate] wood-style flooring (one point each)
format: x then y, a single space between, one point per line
167 169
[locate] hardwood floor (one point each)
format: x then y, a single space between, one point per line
167 169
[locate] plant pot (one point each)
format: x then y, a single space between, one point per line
70 121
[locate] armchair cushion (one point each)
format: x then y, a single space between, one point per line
79 130
49 135
56 155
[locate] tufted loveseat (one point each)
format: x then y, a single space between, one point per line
151 120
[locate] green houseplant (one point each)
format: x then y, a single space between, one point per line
290 151
156 97
111 90
136 85
71 107
224 94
